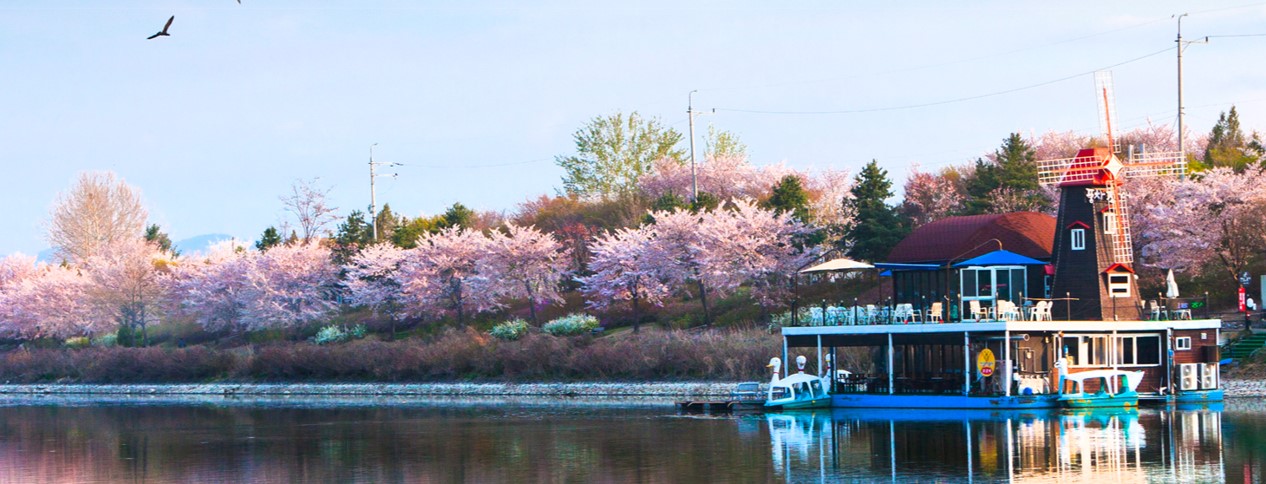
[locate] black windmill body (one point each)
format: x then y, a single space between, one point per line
1093 254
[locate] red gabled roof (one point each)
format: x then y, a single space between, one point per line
1118 267
1030 234
1078 224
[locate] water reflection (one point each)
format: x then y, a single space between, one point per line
594 440
898 445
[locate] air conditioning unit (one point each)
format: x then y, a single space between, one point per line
1208 376
1188 379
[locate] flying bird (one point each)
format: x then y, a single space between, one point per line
163 33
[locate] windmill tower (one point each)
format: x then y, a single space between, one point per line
1093 254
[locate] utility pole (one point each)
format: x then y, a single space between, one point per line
1182 146
694 180
694 177
373 203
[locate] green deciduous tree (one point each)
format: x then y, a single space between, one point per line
612 152
876 227
720 144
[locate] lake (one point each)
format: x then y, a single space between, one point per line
214 439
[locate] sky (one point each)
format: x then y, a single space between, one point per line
475 99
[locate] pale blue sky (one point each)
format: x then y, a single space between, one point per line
213 123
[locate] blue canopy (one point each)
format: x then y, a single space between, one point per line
1000 258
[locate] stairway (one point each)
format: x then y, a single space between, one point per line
1245 346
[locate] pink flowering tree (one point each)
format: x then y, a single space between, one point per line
723 177
370 279
624 269
289 285
687 254
930 196
527 264
212 289
47 301
127 285
759 248
1215 216
440 277
828 193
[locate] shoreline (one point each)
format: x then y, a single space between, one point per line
1233 387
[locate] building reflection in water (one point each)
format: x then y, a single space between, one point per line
899 445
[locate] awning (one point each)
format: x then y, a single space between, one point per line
1000 258
897 266
838 265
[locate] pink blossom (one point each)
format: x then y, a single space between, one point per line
440 276
525 263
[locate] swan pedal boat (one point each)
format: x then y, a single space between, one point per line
800 390
1117 389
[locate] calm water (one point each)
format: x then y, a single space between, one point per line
54 439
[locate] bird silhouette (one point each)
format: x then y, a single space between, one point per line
163 33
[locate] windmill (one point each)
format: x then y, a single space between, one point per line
1093 254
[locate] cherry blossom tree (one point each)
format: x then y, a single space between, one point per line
1216 216
212 290
126 283
687 253
723 177
440 276
624 269
289 285
758 247
49 301
930 197
370 280
525 263
234 289
829 192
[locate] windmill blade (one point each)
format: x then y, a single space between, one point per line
1157 163
1107 106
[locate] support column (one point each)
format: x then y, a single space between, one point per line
967 373
1006 355
890 388
786 362
820 355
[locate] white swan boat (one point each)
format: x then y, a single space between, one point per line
800 390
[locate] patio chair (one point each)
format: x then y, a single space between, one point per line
1042 311
978 312
934 313
1157 312
1007 311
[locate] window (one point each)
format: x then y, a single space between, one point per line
1139 350
1086 350
1109 222
1119 285
1078 238
1183 343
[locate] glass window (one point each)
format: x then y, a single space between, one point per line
1119 285
1078 237
1109 222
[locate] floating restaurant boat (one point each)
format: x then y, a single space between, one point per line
969 325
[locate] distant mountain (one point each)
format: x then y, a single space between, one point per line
199 243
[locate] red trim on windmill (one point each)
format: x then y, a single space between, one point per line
1078 224
1118 267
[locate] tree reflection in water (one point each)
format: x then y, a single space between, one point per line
497 441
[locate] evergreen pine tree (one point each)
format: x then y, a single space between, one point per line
788 196
1013 169
268 240
876 227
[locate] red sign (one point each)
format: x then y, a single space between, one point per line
1242 308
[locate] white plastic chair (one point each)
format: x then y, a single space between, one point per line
934 313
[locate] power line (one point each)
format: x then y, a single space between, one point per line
952 101
491 165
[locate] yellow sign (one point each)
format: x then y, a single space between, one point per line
985 362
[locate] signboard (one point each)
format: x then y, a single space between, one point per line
985 362
1245 278
1242 308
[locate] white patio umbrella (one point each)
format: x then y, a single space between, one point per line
842 264
1171 286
